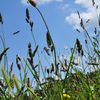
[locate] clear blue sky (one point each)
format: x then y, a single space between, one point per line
59 16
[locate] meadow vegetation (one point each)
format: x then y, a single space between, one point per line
63 80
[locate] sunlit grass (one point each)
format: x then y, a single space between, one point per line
63 80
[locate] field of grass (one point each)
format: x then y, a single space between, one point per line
63 80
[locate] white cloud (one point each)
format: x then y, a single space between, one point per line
47 1
24 2
86 3
65 6
40 2
90 13
75 21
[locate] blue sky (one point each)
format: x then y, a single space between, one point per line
61 18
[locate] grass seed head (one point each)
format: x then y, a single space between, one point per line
27 14
52 67
32 2
1 20
28 82
48 71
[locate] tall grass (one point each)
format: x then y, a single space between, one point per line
75 84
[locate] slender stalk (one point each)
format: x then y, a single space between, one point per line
34 5
71 58
42 18
2 41
92 42
2 37
38 55
49 34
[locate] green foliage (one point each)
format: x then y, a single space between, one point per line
75 84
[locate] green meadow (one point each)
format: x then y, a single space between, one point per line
62 79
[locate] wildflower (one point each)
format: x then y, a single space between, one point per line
66 95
